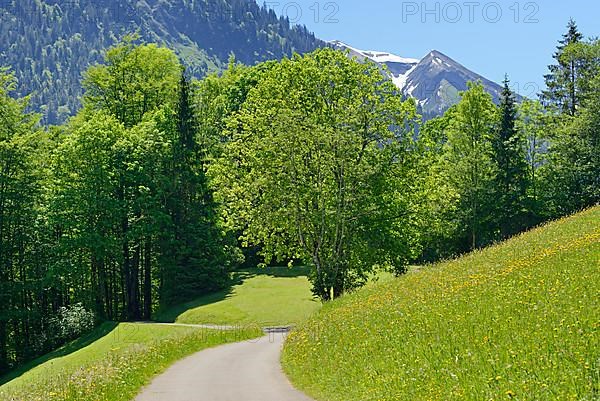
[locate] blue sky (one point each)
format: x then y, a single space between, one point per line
489 37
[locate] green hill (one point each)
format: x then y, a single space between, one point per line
516 321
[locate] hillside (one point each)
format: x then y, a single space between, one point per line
50 43
516 321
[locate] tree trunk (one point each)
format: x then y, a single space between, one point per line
148 280
133 286
96 287
3 347
338 287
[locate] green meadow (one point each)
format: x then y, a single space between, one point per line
113 363
516 321
274 296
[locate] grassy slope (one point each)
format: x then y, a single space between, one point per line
517 321
263 297
115 361
115 366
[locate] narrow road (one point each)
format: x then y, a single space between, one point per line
245 371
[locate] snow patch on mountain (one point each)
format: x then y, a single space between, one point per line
374 55
380 57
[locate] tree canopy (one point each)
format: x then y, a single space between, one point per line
317 168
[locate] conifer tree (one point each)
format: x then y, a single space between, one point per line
195 257
511 178
562 89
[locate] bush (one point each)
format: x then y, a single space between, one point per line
71 322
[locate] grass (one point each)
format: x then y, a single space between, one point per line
113 362
115 366
263 297
56 355
516 321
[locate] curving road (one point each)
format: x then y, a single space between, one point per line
245 371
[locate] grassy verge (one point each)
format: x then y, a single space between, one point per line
117 366
262 297
516 321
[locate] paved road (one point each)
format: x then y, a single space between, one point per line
245 371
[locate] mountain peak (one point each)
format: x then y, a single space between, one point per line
436 53
437 57
435 81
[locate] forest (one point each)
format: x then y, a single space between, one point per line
50 43
161 184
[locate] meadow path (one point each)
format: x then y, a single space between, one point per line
244 371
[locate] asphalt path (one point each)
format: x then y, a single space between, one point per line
244 371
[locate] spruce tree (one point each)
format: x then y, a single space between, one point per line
561 82
195 257
509 151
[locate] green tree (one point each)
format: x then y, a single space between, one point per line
20 196
535 126
440 200
469 163
317 168
112 180
218 96
574 167
85 213
563 90
512 175
194 251
133 80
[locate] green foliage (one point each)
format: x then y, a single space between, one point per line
111 211
563 91
571 176
21 268
494 171
194 257
72 322
512 179
533 124
516 321
132 81
469 164
317 168
131 195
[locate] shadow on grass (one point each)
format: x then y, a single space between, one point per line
171 314
65 350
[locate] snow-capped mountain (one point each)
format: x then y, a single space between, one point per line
434 81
